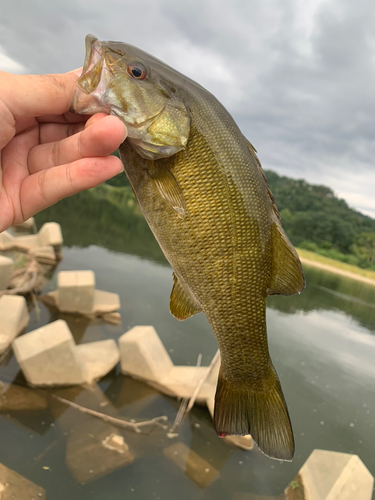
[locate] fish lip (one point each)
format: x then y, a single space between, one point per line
90 41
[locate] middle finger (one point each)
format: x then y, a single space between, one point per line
100 137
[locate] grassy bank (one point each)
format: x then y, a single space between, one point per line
317 260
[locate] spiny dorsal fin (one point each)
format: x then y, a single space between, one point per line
253 152
181 305
169 189
287 273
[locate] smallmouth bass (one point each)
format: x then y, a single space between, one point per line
203 193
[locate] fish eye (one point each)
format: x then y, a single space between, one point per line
137 71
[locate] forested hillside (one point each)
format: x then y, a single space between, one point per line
315 219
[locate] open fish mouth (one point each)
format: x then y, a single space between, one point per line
89 97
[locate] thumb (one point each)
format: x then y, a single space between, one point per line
38 95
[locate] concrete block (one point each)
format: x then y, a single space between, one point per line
6 240
194 466
75 291
26 225
105 302
14 317
181 381
44 255
143 354
26 242
6 267
330 475
99 358
50 234
13 486
48 356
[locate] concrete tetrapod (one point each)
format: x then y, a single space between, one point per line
144 356
49 235
14 317
48 356
76 293
330 475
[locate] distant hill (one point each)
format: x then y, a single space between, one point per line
315 219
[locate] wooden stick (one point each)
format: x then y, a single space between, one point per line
182 409
116 421
201 382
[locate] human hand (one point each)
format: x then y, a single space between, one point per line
46 152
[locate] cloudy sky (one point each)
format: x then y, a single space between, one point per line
297 75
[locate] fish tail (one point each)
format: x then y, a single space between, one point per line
241 410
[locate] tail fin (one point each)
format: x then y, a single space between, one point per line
240 410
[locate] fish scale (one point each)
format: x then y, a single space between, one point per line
203 193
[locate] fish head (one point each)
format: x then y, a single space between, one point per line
126 82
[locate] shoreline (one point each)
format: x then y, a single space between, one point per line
335 270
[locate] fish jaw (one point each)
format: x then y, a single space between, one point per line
91 95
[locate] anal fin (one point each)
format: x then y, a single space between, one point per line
181 304
287 273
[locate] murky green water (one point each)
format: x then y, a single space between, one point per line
322 344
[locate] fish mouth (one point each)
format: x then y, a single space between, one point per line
92 66
91 85
90 96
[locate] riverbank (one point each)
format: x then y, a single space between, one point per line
334 266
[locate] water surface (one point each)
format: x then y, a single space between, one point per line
322 344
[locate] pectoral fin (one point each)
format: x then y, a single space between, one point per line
181 305
287 273
169 189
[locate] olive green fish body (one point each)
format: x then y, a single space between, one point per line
201 188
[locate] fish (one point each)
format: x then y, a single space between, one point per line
202 190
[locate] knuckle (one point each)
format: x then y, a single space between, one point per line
69 176
42 185
55 154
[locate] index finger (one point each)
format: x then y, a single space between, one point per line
37 95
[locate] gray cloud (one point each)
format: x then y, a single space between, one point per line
298 77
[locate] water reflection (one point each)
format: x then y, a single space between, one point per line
327 291
322 344
105 216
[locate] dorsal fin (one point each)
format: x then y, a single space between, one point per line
253 153
181 304
287 273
